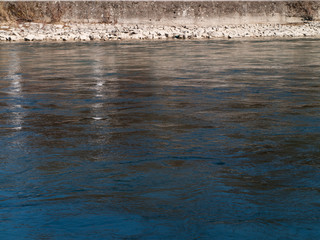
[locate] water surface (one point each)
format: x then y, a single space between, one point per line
160 140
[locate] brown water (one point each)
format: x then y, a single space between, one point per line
160 140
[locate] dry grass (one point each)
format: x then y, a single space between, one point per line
22 11
4 17
15 12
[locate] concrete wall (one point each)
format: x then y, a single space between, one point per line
201 13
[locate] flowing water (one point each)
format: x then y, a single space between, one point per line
160 140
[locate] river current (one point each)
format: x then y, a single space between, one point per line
160 140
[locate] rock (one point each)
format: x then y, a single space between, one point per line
55 38
89 32
39 37
84 37
123 36
12 38
15 33
29 38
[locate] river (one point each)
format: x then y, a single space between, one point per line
216 139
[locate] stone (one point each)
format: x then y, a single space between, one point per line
29 38
12 38
96 32
84 37
39 37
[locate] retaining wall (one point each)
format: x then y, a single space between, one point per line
200 13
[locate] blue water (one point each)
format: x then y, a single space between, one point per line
160 140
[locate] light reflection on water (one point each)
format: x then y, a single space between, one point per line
160 140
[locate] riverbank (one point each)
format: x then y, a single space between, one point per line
103 32
124 20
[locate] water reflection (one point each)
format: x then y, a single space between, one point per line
16 112
160 140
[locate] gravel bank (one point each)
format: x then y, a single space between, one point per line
98 32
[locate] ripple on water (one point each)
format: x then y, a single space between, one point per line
160 140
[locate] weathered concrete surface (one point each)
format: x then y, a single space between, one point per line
169 13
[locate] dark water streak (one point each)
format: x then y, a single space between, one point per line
160 140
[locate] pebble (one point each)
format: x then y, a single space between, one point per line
97 32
